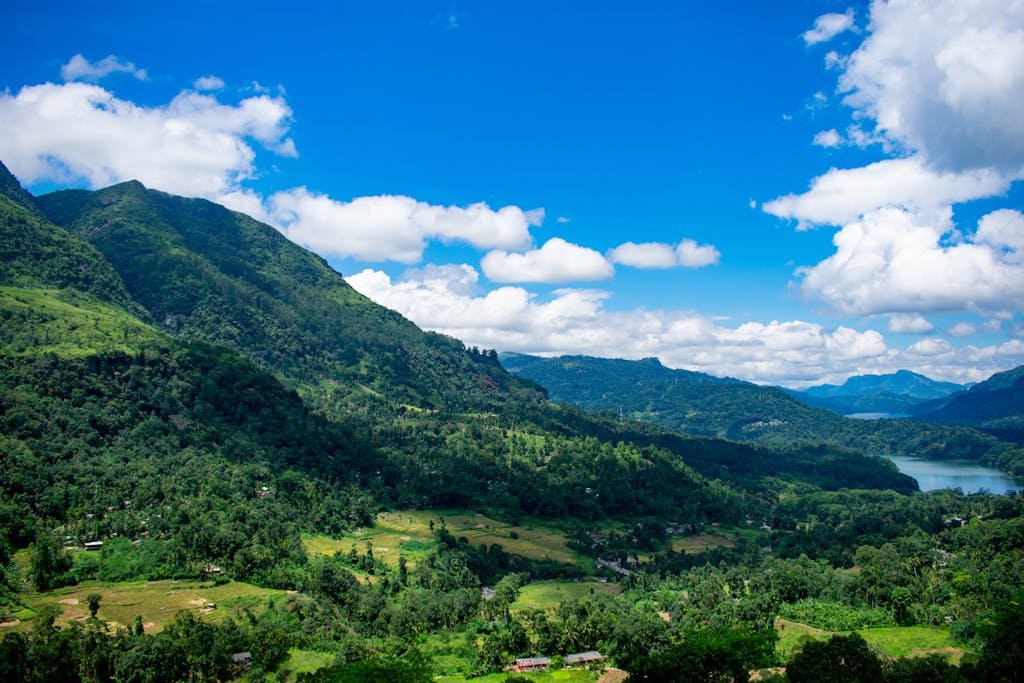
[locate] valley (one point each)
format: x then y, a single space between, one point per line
268 463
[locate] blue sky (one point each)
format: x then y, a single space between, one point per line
372 133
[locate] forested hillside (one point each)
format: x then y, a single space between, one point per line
996 402
740 411
204 272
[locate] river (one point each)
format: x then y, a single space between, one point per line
968 476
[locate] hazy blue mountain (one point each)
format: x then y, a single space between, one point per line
895 393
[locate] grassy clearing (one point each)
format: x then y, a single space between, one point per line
305 662
692 545
68 324
895 641
407 533
155 601
792 636
548 594
911 641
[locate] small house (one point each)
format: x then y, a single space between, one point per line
531 664
583 658
242 659
94 545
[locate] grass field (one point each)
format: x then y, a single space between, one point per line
155 601
701 542
408 533
548 594
304 662
896 641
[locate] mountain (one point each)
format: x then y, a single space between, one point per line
34 252
203 272
692 402
739 411
893 393
997 402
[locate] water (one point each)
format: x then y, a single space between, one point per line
965 475
874 416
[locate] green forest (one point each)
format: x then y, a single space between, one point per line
206 439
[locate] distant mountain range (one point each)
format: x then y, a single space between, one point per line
896 394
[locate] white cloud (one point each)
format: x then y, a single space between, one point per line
395 228
796 353
963 329
828 26
693 255
828 138
193 146
660 255
1003 230
208 83
833 60
930 347
556 261
897 261
944 78
79 68
843 195
909 323
644 255
563 219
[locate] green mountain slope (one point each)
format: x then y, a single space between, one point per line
746 412
204 272
996 402
36 253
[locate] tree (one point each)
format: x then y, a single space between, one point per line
840 659
94 603
49 561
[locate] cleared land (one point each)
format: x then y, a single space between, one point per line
407 533
895 641
548 594
155 601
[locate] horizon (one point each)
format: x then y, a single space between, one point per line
756 198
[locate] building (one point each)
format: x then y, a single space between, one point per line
583 658
531 664
242 659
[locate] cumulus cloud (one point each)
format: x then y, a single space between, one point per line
843 195
449 299
963 329
644 255
944 78
193 146
828 138
828 26
660 255
897 261
909 323
693 255
79 68
1003 230
555 261
395 228
208 83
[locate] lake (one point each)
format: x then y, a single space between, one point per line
965 475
